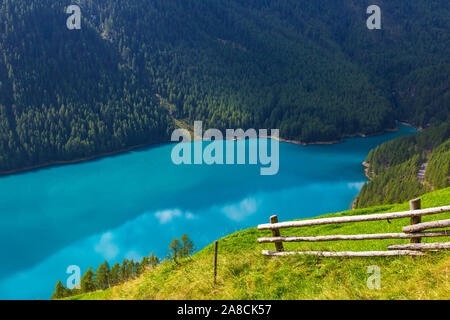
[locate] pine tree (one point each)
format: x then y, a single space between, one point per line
130 269
102 276
175 249
87 281
153 260
187 246
123 272
114 274
60 291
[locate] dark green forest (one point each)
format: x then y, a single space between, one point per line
394 167
310 68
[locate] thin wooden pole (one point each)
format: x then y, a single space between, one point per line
276 233
415 205
216 245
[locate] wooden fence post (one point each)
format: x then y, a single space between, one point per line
415 205
276 233
216 245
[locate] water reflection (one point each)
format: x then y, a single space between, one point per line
129 205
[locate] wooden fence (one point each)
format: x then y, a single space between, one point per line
414 232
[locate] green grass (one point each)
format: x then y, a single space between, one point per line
243 273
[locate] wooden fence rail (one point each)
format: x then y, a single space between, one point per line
360 218
412 232
375 236
427 225
421 246
345 253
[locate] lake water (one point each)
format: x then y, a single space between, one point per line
127 206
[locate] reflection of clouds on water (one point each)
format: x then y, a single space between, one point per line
190 216
242 210
106 246
355 185
131 240
154 230
167 215
211 201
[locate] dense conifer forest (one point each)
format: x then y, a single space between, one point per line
310 68
395 165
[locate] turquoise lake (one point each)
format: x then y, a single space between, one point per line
127 206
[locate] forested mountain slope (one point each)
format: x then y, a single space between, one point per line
394 167
66 94
310 68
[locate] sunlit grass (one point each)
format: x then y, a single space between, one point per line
244 273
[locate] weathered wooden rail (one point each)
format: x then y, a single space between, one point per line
414 232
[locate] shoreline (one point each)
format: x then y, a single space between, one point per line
341 140
366 173
410 125
153 143
366 169
78 160
366 165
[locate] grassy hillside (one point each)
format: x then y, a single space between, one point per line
243 272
